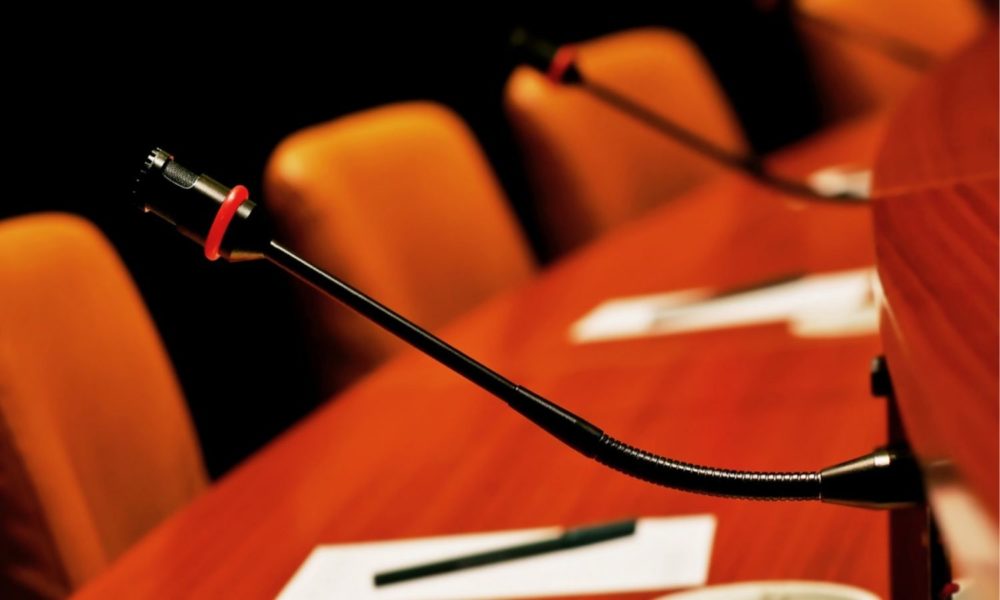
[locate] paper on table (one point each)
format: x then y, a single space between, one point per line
841 303
838 180
664 553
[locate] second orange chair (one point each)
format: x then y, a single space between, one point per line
400 202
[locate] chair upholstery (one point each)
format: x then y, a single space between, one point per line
854 77
96 446
594 168
400 202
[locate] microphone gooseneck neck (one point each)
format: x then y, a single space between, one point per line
885 478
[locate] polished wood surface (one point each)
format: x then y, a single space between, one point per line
414 450
936 224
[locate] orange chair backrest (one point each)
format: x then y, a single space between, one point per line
843 41
593 167
96 445
400 202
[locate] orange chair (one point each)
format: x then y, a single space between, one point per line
594 168
96 446
400 202
851 45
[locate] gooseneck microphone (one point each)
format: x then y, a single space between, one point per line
559 64
228 224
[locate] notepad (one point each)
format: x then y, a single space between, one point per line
833 304
664 553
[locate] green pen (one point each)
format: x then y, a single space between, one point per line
571 538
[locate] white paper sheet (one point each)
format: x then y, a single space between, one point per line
842 303
844 179
664 553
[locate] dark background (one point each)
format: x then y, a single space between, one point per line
221 94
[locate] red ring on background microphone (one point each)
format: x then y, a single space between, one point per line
563 59
227 210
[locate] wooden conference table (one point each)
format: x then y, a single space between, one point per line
414 450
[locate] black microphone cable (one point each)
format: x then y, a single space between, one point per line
559 64
228 224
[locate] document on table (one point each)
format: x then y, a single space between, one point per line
842 179
834 304
664 553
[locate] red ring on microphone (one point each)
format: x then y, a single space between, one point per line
563 59
227 210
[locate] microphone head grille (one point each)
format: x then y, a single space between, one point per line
156 159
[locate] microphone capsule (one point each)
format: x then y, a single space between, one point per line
191 202
558 63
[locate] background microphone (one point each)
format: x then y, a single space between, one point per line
559 64
229 225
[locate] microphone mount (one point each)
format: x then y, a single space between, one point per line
210 213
